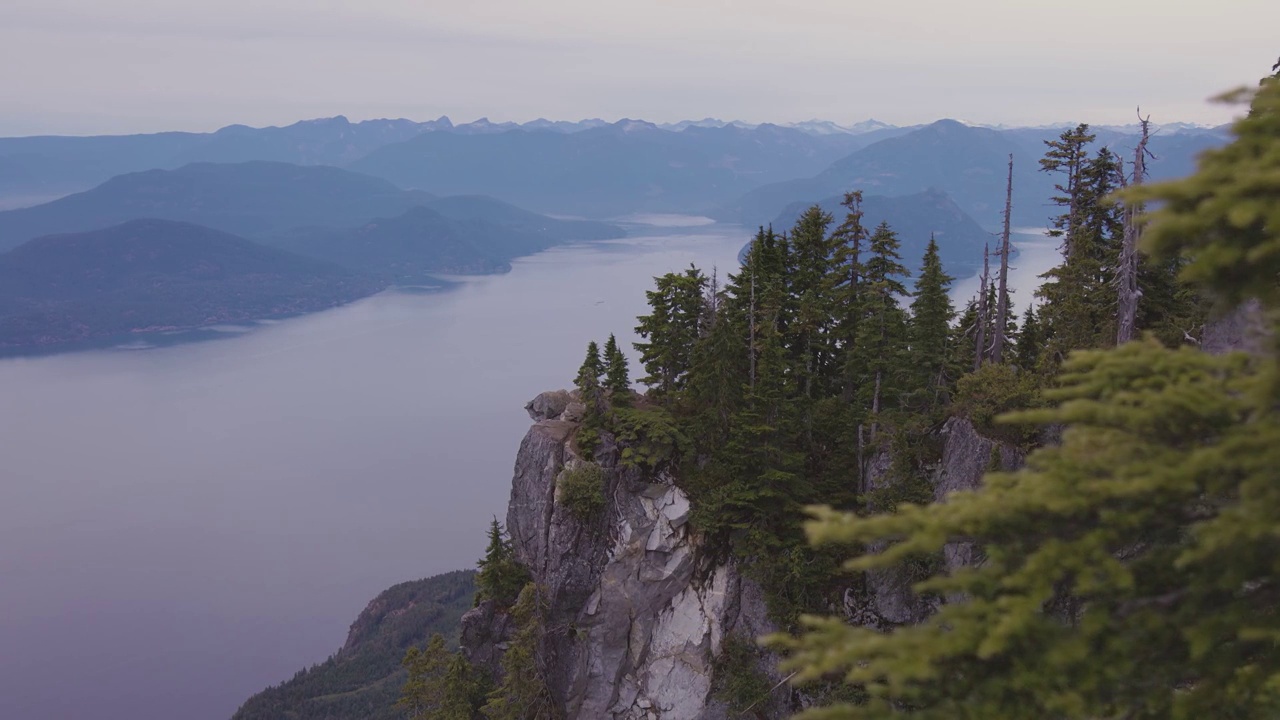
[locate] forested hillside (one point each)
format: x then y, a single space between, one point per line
1126 569
363 679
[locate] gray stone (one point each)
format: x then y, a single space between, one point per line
1242 329
549 405
636 615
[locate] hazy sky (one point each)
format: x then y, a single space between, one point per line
84 66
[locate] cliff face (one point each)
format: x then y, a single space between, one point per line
638 612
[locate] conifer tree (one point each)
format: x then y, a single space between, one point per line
810 330
847 243
441 685
882 334
588 384
1079 308
500 576
617 376
523 693
931 316
1067 155
1026 352
672 327
1130 571
588 380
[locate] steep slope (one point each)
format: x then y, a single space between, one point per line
249 199
628 166
915 218
148 275
362 681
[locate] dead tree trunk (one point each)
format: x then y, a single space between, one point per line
980 349
751 342
1002 298
1127 273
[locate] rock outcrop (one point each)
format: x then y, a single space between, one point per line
637 612
1242 329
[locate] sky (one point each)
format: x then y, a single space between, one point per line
117 66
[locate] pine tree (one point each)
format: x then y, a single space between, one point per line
845 287
1129 571
523 693
616 374
588 380
1079 301
809 333
588 384
1067 155
441 685
882 335
672 327
931 316
500 576
1026 352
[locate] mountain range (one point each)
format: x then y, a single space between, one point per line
208 244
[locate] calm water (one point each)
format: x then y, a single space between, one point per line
1036 254
182 526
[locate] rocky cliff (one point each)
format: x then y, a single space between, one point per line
638 611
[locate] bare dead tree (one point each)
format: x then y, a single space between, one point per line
1127 272
751 343
980 349
1002 296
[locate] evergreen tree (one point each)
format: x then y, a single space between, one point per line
616 374
588 380
1067 155
931 316
523 693
1026 352
809 333
1130 571
442 685
880 346
1079 309
588 384
672 327
845 289
500 576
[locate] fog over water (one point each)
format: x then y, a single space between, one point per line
182 526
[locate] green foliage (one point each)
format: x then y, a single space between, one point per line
581 490
1130 571
1131 534
364 681
441 685
671 328
592 396
737 680
523 693
616 374
1027 349
931 313
649 436
991 391
588 380
500 576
